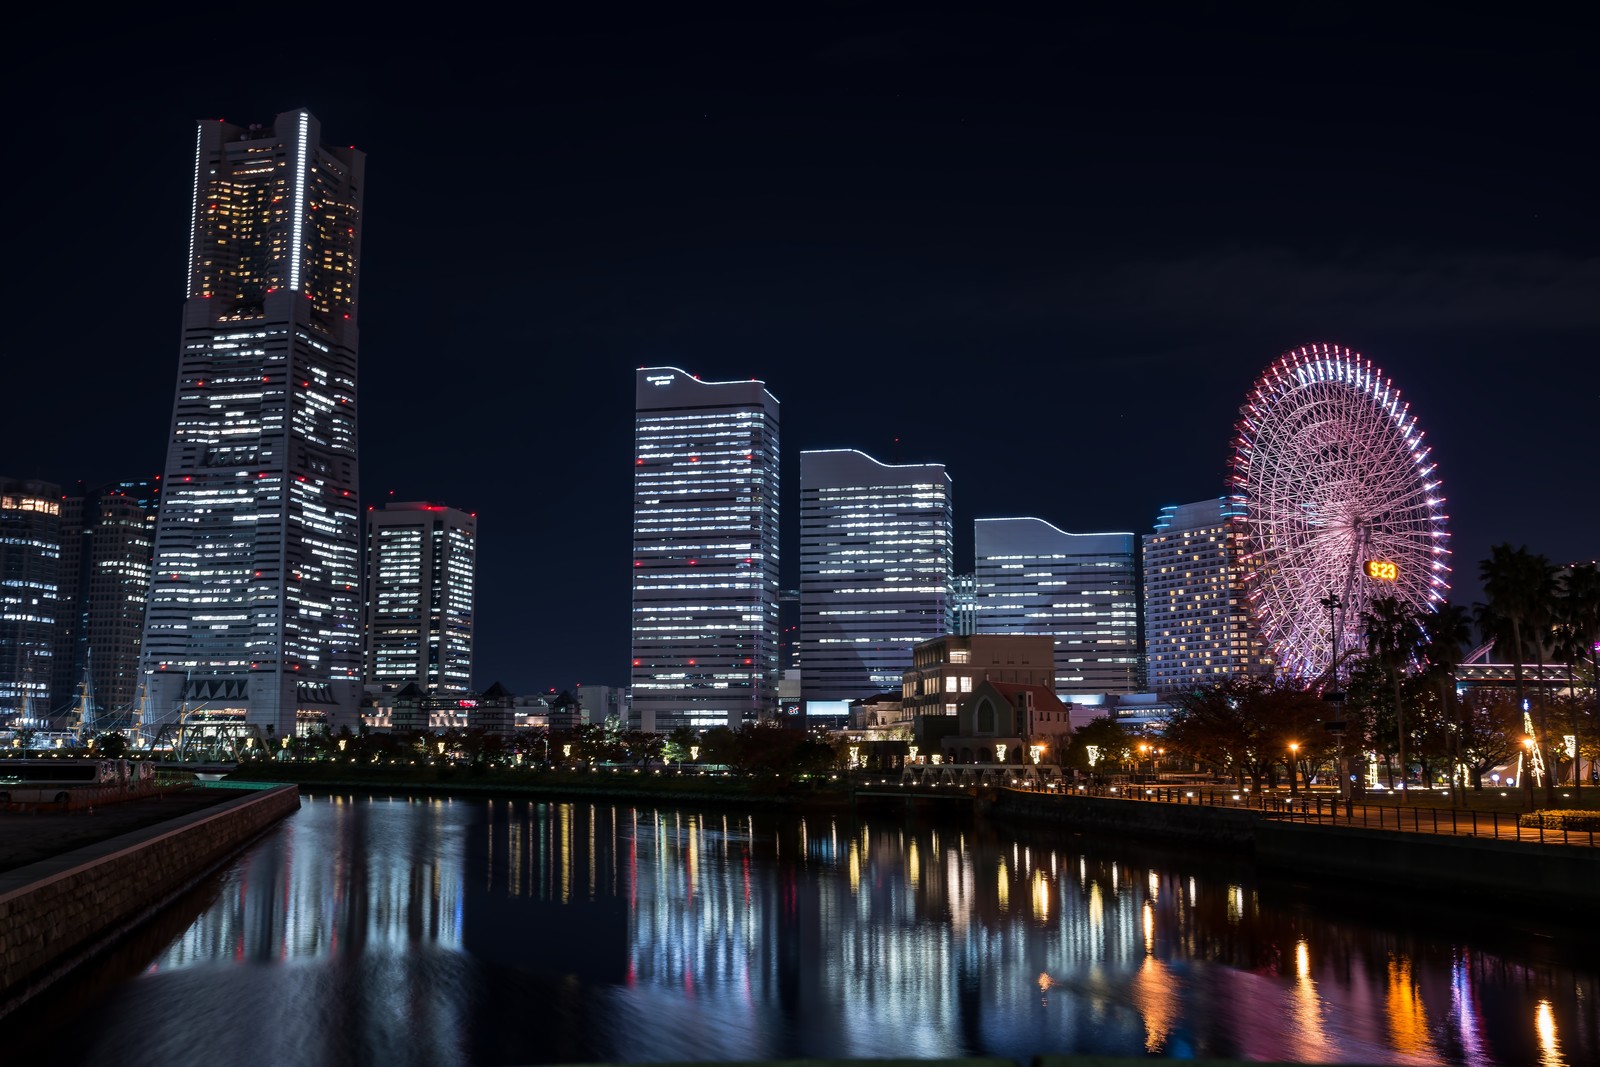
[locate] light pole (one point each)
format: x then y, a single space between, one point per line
1333 694
1294 768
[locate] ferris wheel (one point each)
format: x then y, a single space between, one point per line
1341 505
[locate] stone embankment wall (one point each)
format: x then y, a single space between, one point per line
55 913
1511 871
1194 824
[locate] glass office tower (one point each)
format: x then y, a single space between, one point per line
255 597
1082 589
30 565
875 570
705 551
422 562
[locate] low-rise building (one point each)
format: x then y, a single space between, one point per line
946 670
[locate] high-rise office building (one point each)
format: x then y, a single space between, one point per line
875 568
705 551
422 564
964 604
255 600
1197 624
1082 589
30 564
107 535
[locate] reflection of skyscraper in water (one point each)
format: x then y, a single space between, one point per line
542 893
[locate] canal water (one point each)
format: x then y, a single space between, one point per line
395 931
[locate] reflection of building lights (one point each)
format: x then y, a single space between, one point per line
1544 1021
1408 1018
1302 960
1041 896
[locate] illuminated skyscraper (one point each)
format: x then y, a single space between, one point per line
107 534
875 572
705 551
421 569
1197 625
255 602
30 562
1082 589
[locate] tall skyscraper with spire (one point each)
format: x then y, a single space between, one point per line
705 551
255 596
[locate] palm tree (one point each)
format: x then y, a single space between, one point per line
1447 629
1521 591
1578 641
1395 638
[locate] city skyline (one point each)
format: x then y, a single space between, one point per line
1049 253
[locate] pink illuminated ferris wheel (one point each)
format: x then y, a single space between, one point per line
1340 501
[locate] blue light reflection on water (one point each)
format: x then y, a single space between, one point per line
395 931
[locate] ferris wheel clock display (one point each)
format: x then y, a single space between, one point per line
1340 503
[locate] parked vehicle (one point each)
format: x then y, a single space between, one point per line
52 780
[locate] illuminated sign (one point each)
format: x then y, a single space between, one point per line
1382 569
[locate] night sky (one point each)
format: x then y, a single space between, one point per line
1050 251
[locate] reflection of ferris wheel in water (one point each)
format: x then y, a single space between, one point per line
1341 505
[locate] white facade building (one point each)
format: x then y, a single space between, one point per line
705 551
1197 623
1081 589
875 569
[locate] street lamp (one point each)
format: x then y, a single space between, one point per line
1294 768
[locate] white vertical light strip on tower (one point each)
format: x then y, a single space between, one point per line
298 226
194 211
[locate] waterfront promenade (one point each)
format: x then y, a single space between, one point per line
1497 816
30 835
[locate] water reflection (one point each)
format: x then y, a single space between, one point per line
402 931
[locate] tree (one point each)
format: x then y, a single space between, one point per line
1518 617
1244 727
719 745
1578 643
111 744
1395 639
1447 629
1098 744
678 743
1491 729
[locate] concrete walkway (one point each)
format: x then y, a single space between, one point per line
28 837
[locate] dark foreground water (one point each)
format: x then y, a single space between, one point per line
397 932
